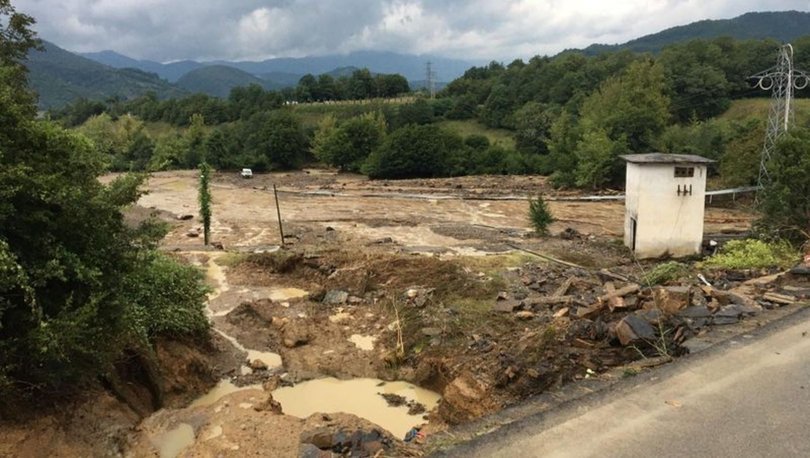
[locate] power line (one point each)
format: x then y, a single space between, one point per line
782 80
430 80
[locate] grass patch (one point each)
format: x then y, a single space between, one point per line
231 259
666 272
760 108
465 128
753 254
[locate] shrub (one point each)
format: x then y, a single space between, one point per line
753 254
539 215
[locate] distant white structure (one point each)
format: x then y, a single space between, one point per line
665 201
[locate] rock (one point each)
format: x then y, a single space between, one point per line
218 245
311 451
335 297
384 240
502 296
728 314
670 299
431 332
524 315
185 217
465 398
258 365
695 311
394 400
269 405
506 306
271 384
632 329
193 233
330 229
295 334
322 438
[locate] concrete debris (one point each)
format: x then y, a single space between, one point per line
782 299
670 299
632 329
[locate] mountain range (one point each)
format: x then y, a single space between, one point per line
782 26
60 76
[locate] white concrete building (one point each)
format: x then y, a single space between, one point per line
664 204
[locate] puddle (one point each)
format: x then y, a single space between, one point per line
222 389
171 443
286 294
358 397
363 342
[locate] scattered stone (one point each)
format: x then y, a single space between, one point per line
561 312
295 334
311 451
335 297
524 315
218 245
330 229
782 299
258 365
506 306
269 405
185 217
193 233
431 332
384 240
632 329
416 408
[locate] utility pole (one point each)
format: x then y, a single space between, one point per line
782 80
430 77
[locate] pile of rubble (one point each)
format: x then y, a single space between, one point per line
606 306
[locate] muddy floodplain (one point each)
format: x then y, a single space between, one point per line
377 314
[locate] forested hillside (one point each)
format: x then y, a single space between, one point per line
61 77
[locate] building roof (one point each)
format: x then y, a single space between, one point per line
661 158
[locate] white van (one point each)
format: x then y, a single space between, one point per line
247 173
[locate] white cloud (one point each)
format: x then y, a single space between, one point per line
480 29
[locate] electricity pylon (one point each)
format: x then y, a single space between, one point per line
782 80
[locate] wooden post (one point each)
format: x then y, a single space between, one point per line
278 213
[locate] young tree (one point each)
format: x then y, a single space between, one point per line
205 200
540 215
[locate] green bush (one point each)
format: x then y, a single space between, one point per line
753 254
540 215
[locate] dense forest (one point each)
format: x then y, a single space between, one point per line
571 116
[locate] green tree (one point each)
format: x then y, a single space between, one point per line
278 137
415 151
195 141
785 202
596 158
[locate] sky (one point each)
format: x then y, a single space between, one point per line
167 30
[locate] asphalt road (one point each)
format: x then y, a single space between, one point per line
750 398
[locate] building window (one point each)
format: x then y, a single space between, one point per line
684 172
